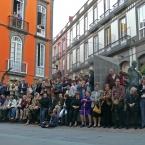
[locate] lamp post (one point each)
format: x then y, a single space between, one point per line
4 74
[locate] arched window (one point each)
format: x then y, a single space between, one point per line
41 20
16 53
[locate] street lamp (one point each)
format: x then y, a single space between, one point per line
4 74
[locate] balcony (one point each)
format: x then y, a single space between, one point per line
76 40
109 14
115 47
17 24
17 67
40 71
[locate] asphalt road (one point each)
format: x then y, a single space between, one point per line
19 134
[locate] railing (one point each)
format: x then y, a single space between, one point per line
114 46
76 38
17 23
117 7
40 71
17 66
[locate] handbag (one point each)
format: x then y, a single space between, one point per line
97 109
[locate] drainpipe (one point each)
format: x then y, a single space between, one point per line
51 41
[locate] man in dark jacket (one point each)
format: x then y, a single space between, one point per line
45 105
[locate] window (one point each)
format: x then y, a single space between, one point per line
74 56
78 29
122 27
82 26
16 54
86 50
74 31
68 38
141 24
95 14
96 44
40 60
107 5
81 53
54 51
107 36
101 39
90 44
70 60
71 36
63 45
86 23
18 8
78 55
90 16
63 64
41 21
100 9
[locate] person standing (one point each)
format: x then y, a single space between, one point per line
96 102
132 109
142 101
118 94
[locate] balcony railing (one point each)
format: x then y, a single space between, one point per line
40 71
115 46
18 24
76 40
17 66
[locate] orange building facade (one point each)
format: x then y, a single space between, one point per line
25 39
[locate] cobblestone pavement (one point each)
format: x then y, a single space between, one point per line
19 134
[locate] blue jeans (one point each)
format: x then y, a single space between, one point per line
43 114
142 108
12 113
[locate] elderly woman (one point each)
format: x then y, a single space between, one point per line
132 110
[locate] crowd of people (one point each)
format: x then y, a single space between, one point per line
78 102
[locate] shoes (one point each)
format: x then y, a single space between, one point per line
82 126
94 126
90 125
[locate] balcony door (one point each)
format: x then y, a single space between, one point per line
18 8
18 13
15 62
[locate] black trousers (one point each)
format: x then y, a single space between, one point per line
33 115
118 115
74 115
106 115
132 117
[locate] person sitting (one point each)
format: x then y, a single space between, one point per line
33 110
45 106
54 119
12 108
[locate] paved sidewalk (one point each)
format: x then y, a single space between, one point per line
19 134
